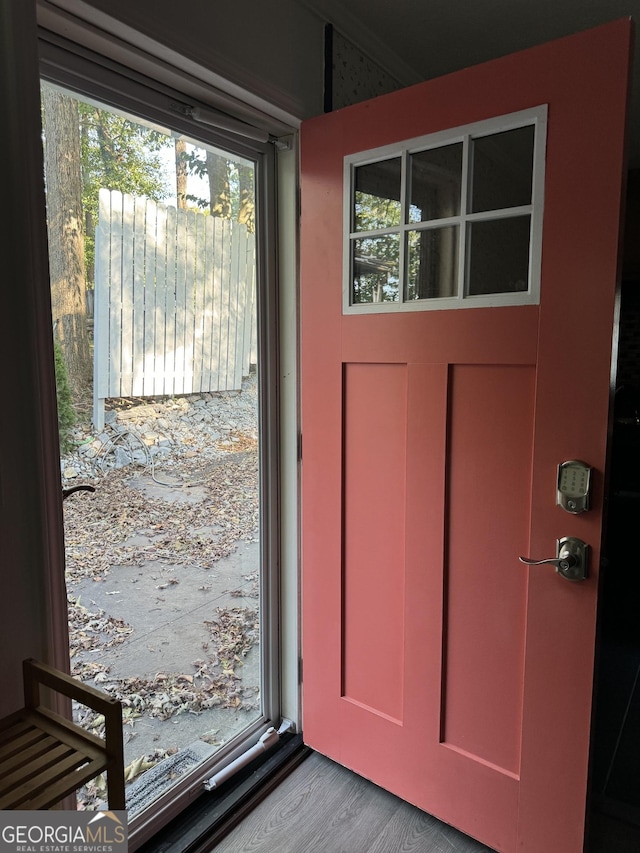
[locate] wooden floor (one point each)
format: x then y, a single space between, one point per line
323 808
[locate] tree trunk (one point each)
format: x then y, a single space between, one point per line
66 236
220 195
89 224
181 174
246 213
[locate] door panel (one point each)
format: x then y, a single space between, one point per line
435 663
375 452
487 507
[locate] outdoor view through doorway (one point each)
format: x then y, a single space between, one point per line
153 286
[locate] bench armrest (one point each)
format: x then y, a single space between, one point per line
36 673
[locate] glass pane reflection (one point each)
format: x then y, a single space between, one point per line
499 256
435 183
377 195
376 269
502 169
432 263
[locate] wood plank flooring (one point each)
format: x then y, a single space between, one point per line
325 808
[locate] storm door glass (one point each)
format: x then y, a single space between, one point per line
152 239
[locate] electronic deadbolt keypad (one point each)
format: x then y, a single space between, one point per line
574 479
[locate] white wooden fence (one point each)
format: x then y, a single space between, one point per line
175 301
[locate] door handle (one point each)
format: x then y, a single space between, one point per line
70 491
571 560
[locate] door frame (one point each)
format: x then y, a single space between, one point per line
32 507
81 76
41 551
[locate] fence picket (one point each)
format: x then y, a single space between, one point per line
216 299
190 318
170 366
125 377
139 234
238 300
175 304
250 354
198 301
208 330
161 306
181 303
147 354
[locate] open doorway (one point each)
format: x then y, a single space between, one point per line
161 406
615 795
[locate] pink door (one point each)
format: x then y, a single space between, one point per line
435 663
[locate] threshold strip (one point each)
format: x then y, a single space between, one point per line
268 740
215 813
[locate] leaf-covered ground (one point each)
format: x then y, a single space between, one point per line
99 528
120 526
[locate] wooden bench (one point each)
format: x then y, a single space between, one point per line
44 757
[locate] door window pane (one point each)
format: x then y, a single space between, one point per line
435 183
436 220
377 195
433 263
376 269
499 255
502 169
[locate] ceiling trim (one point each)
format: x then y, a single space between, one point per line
353 28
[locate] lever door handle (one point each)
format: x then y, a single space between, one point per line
571 560
561 562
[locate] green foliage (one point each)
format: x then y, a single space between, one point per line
197 165
118 154
376 256
373 211
66 413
